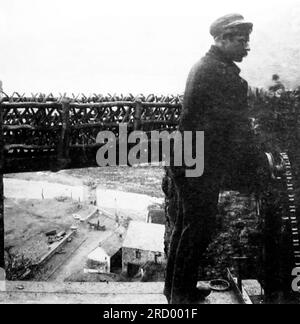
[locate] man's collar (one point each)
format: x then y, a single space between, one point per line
215 51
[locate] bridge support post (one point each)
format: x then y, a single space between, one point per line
138 115
63 146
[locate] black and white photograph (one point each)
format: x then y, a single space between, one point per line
149 154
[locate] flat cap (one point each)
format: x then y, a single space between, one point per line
230 23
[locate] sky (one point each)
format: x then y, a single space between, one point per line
131 46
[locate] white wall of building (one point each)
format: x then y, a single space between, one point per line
99 260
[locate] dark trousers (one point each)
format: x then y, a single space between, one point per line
195 224
197 208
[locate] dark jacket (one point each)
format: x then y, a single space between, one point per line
215 99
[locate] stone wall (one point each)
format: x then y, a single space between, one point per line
129 256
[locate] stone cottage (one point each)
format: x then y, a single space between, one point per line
144 243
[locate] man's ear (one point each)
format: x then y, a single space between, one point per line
219 40
226 37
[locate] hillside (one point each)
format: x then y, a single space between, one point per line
275 48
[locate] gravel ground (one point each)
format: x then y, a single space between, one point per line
140 180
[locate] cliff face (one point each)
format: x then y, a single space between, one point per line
235 235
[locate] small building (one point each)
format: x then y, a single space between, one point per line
108 256
99 260
144 243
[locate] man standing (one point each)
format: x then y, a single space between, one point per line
215 102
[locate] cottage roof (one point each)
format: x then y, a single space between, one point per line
145 236
112 245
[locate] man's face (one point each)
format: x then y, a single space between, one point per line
236 47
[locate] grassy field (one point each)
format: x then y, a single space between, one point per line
140 180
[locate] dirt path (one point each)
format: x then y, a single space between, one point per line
27 221
76 262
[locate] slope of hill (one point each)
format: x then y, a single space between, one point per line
275 48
